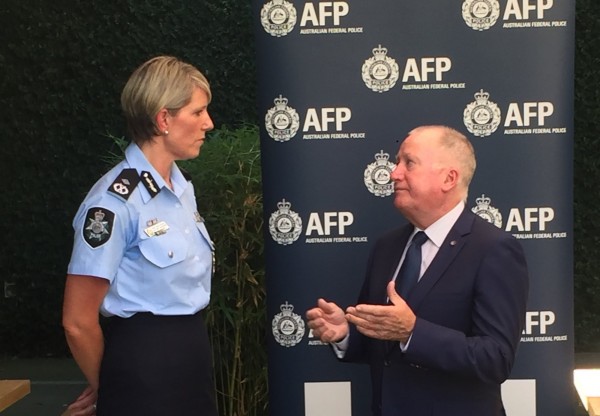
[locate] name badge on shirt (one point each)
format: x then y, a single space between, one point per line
156 228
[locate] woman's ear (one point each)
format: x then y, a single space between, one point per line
162 121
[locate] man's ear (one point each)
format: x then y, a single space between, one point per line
162 121
451 180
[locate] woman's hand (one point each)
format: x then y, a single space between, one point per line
84 405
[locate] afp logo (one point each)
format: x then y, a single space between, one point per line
524 223
540 326
320 120
486 211
481 15
532 117
288 327
378 175
526 114
528 219
482 116
286 226
380 73
278 17
319 16
524 10
538 322
332 223
282 122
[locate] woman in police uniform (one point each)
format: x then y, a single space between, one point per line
143 257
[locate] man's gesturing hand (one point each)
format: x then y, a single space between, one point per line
393 322
327 321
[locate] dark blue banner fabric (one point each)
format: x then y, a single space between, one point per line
340 85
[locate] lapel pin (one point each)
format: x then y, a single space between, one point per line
453 242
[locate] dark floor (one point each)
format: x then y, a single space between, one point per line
56 382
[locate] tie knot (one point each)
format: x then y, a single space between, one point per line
419 239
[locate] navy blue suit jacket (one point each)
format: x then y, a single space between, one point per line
470 306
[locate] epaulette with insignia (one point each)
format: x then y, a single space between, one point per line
124 184
186 175
149 183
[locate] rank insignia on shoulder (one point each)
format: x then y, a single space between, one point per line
124 184
98 227
150 184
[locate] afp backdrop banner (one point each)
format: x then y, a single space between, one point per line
340 85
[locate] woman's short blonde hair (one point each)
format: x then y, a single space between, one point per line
161 82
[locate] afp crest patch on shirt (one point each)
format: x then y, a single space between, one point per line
98 226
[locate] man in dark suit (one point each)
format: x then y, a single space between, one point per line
445 346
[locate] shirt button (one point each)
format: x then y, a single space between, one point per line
170 254
187 230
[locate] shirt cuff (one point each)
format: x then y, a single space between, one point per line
404 345
340 347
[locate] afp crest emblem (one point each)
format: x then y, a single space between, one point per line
480 14
285 225
98 227
482 116
486 211
288 327
378 175
278 17
282 122
380 72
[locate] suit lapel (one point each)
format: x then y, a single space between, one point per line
394 255
452 245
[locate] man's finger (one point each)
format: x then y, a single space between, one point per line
313 313
358 320
393 296
327 307
365 309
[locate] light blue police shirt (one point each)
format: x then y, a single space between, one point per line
147 240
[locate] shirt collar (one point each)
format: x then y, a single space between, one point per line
178 180
137 160
438 231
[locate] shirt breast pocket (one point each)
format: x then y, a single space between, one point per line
164 250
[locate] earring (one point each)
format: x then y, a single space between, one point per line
166 132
